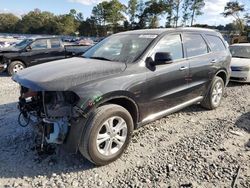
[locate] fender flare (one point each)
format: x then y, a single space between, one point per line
90 104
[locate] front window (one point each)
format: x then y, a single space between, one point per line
240 51
23 43
40 44
120 48
171 44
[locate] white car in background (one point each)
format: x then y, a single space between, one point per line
240 64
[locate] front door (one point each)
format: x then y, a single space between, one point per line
168 83
39 52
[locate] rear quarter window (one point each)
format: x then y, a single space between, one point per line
215 43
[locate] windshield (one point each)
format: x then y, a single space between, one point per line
240 51
120 48
23 43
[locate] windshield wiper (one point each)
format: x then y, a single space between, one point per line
100 58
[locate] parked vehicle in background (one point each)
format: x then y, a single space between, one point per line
30 52
240 64
4 44
85 42
93 103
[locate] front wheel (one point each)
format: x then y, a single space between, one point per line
107 134
15 67
215 94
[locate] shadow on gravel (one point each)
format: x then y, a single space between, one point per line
193 108
19 157
236 84
243 122
4 74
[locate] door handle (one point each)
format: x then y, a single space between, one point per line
213 61
183 68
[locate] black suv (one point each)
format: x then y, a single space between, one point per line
93 103
30 52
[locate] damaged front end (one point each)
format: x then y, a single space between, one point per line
50 111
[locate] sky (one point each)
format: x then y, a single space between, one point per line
211 15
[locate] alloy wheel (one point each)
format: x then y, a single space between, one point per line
217 93
111 136
17 68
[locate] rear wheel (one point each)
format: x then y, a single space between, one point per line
107 135
215 94
15 67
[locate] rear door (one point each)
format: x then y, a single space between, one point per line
56 50
167 84
220 54
200 64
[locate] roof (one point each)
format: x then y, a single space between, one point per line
165 30
241 44
43 37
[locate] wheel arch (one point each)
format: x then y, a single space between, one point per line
223 75
126 102
12 60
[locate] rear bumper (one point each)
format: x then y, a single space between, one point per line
3 67
240 76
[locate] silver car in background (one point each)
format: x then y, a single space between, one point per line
240 64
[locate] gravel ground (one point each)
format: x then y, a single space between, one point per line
191 148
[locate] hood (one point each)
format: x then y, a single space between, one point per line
240 62
9 50
64 74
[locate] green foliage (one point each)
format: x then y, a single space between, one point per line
8 23
132 9
100 12
115 13
192 9
170 12
196 7
110 17
141 15
109 13
234 9
37 22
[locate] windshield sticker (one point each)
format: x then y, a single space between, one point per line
148 36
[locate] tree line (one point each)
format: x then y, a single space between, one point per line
113 16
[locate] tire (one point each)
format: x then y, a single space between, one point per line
215 94
15 67
103 123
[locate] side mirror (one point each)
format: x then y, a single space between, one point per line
162 58
28 48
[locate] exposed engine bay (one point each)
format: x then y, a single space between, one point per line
51 112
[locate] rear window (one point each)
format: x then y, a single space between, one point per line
216 43
195 45
55 43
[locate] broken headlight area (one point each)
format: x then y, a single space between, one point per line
50 111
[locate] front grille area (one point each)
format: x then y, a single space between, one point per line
240 68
